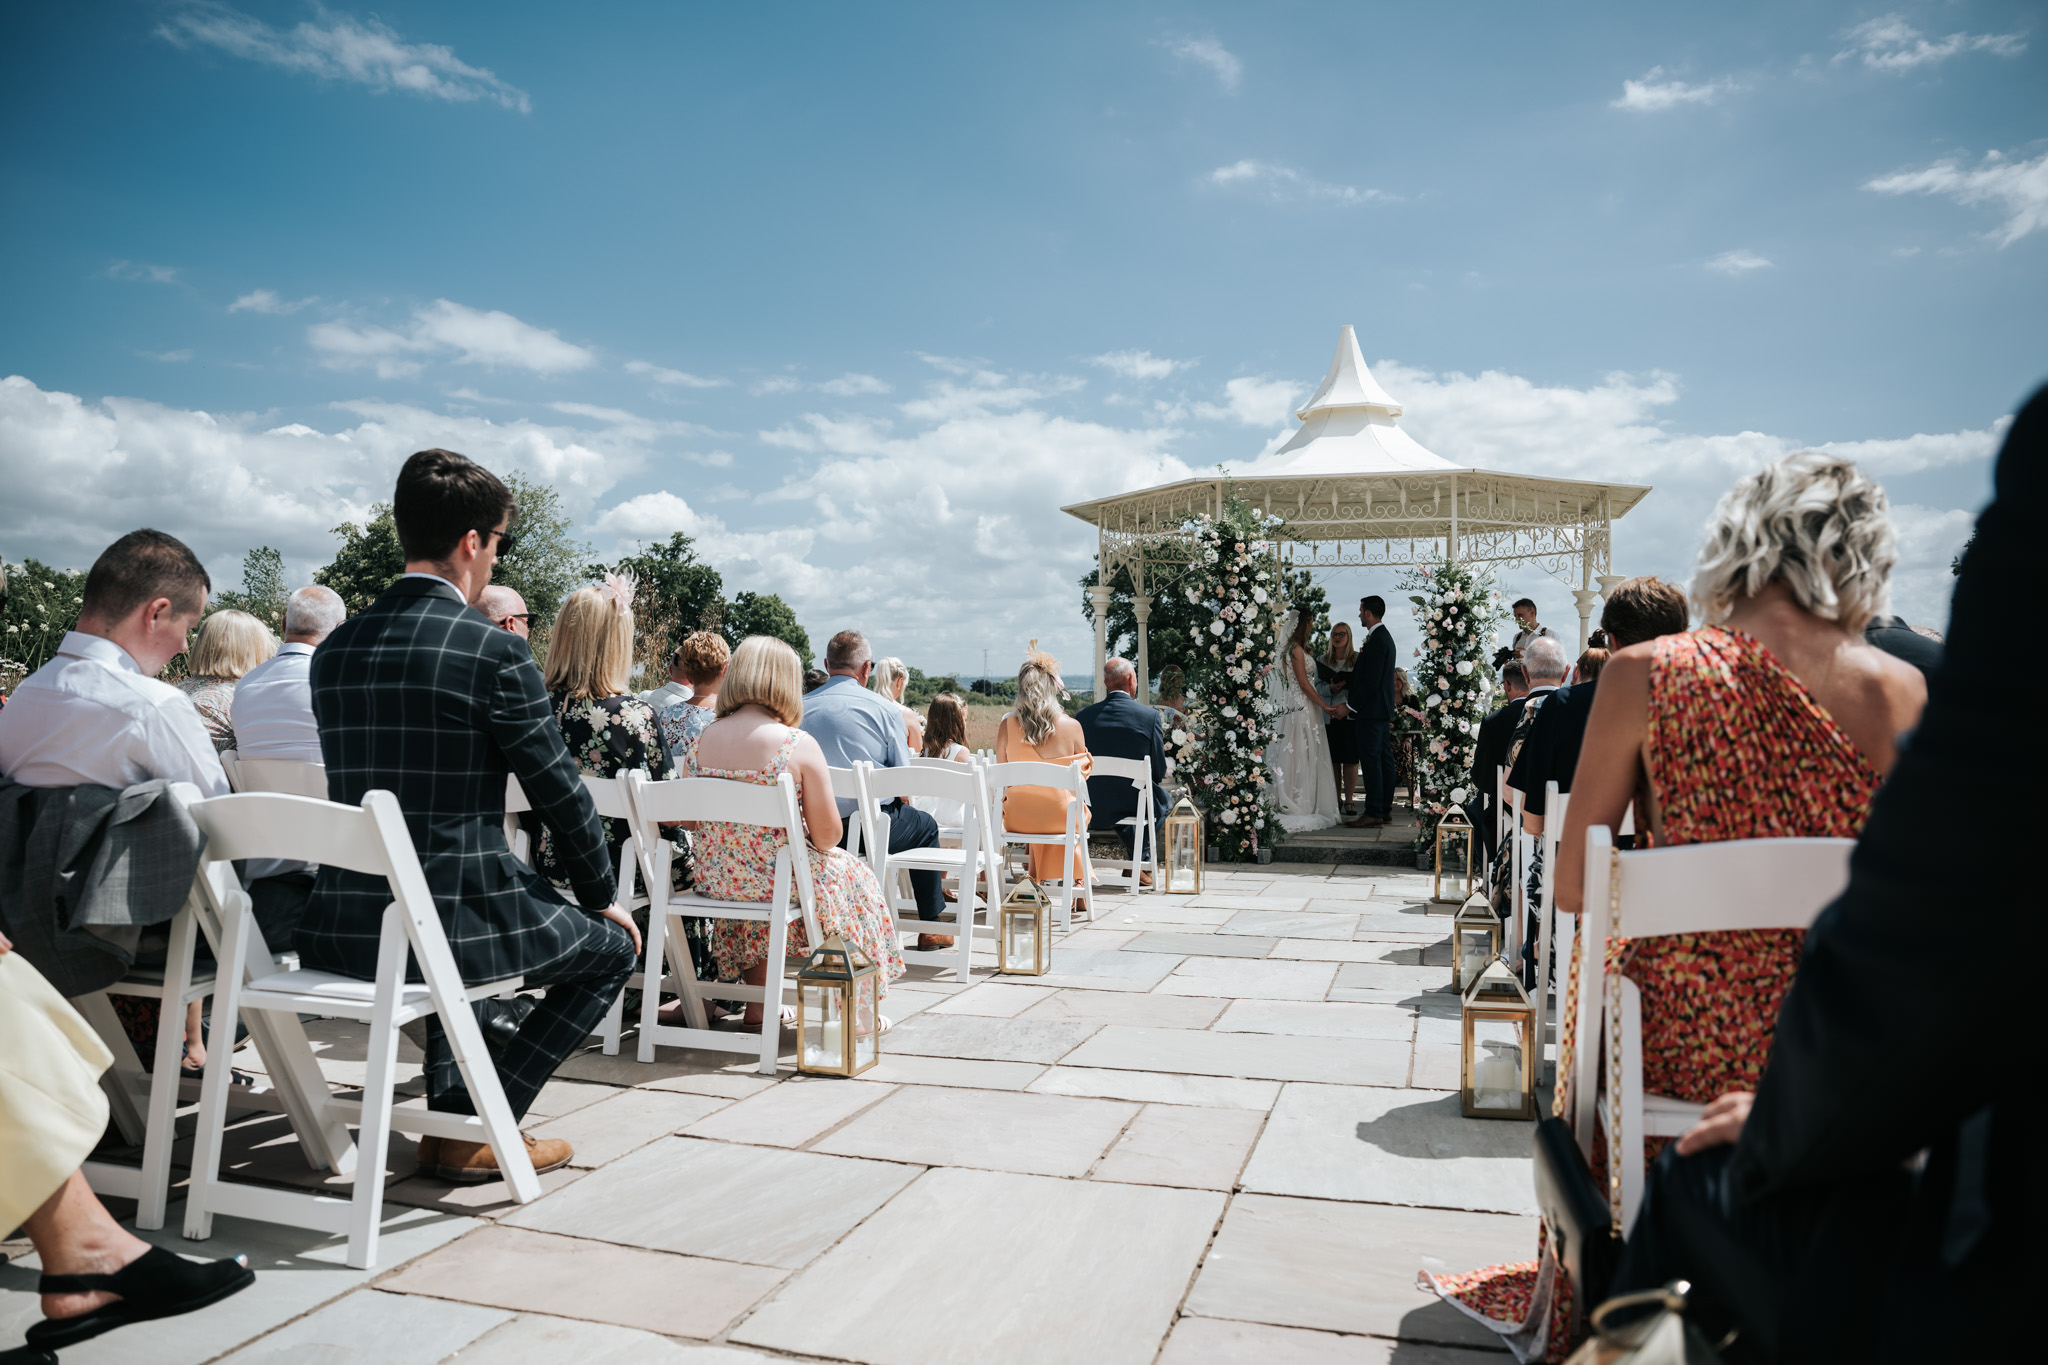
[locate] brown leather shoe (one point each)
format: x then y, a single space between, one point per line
931 942
472 1163
1367 822
429 1154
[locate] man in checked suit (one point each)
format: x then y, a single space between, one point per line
425 698
1372 701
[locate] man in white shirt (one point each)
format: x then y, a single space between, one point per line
677 688
1528 631
273 710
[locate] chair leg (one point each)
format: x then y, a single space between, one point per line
380 1065
124 1080
213 1087
160 1131
771 991
614 1021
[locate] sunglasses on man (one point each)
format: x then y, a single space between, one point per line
507 540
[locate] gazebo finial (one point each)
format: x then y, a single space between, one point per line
1349 384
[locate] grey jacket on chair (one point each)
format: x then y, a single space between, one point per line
85 870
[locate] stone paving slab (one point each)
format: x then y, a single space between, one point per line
901 1070
1153 1087
1291 924
986 1129
1011 1268
1097 938
1177 914
1258 1056
559 1097
789 1115
731 1202
1341 1267
296 1272
491 1200
605 1131
367 1325
995 999
1387 976
1171 1144
536 1272
1090 969
1144 1011
1377 950
1217 944
986 1040
1386 1146
530 1339
1318 1018
1242 980
1214 1341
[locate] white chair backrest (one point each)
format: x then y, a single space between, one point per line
275 775
921 761
946 782
515 797
1138 770
721 799
1061 776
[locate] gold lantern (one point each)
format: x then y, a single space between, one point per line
1454 826
1497 1077
1183 849
1024 932
837 1011
1477 937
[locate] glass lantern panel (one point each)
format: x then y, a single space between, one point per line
824 1028
1020 942
867 1014
1180 858
1475 950
1496 1064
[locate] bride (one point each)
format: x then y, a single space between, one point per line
1304 784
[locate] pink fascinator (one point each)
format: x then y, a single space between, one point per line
618 589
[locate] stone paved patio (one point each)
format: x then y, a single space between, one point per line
1222 1131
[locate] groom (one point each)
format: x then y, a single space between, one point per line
1372 706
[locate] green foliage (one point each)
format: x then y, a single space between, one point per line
922 687
752 613
1170 632
545 564
1458 611
263 591
42 606
678 593
369 558
1000 691
1955 566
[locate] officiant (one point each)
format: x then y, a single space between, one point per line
1333 682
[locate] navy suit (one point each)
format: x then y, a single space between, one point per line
1372 702
1121 726
426 699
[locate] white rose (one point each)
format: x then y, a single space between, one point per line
1464 727
1432 700
1215 627
1259 596
1229 816
1180 736
1458 795
1230 711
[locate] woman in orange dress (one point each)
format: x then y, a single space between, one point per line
1774 721
1040 731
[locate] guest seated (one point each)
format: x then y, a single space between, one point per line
1775 720
814 678
1121 726
420 675
506 610
1490 752
945 736
755 739
96 1275
1589 665
228 645
700 662
1040 731
273 708
889 680
851 723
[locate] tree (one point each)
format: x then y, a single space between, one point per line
263 593
545 564
369 558
678 593
42 606
751 613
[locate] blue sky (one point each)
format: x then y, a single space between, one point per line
859 295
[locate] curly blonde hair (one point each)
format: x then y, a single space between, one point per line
1038 697
1811 521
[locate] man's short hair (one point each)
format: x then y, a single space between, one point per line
314 611
1117 672
1640 609
1544 660
141 567
847 650
1528 602
443 496
1375 604
1514 675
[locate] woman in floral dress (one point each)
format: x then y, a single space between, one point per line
1775 721
756 739
228 644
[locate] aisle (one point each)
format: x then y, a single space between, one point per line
1225 1130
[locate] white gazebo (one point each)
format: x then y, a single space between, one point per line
1356 491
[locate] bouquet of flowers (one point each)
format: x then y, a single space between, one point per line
1458 611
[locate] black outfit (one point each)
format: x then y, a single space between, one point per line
1551 752
1489 752
422 697
1888 1043
1892 635
1342 730
1121 726
911 828
1372 702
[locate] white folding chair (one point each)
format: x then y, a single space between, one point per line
517 805
1691 889
608 794
862 830
371 839
1553 926
1518 864
879 786
792 896
1072 841
1144 831
275 775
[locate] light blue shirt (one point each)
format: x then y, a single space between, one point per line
851 723
273 711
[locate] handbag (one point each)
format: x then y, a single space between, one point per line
1665 1337
1574 1211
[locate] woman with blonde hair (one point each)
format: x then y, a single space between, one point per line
1040 731
1775 720
890 678
608 729
756 739
228 644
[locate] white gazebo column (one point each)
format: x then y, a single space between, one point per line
1586 597
1607 582
1142 606
1099 596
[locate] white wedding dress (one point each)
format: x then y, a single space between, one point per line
1298 760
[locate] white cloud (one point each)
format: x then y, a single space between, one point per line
775 383
1889 43
2019 189
267 301
1738 262
168 357
1253 402
1207 52
1284 184
1140 364
1654 93
136 270
650 516
362 51
475 337
675 378
849 385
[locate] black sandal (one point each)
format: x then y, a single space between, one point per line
156 1284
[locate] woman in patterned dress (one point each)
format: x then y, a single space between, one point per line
702 658
1773 721
756 739
228 644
